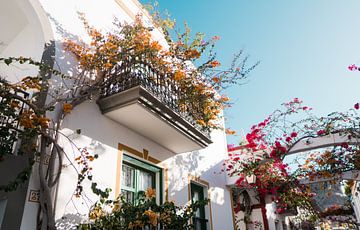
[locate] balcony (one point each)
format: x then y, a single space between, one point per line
9 123
147 101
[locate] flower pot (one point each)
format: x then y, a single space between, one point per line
251 179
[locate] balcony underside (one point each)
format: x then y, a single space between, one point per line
140 111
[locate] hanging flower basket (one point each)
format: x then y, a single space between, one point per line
251 179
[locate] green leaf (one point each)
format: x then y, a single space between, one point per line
8 61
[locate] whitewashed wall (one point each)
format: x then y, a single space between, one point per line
25 31
102 135
356 201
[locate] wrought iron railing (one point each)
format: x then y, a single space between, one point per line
9 122
137 71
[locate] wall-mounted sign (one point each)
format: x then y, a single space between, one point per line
46 160
34 196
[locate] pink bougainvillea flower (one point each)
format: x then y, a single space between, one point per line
273 153
273 190
353 67
293 134
277 144
345 145
321 132
357 106
261 124
237 209
240 181
288 139
280 210
230 146
296 100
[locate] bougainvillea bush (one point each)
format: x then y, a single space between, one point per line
271 140
185 63
145 213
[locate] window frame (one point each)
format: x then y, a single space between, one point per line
206 195
194 187
141 165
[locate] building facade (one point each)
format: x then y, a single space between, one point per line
140 139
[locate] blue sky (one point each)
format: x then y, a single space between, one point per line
304 47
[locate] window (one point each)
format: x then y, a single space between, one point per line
137 176
197 193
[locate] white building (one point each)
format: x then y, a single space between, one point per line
137 137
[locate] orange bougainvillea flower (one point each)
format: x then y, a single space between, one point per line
116 207
67 108
44 122
179 75
14 104
150 193
96 213
156 46
225 98
26 122
201 122
90 158
136 224
192 54
230 132
153 217
27 119
215 79
215 64
29 83
108 65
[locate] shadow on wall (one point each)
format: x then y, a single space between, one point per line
64 61
61 30
188 162
219 194
69 221
193 163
